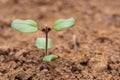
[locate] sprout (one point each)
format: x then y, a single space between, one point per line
30 26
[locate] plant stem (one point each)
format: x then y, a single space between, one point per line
46 49
75 43
46 30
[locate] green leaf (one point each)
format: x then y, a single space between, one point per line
50 57
24 25
63 23
41 43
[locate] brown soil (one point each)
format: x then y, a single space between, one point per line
98 40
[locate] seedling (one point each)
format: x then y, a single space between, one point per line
30 26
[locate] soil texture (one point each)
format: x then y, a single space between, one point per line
97 32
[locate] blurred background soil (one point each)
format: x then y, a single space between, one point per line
98 40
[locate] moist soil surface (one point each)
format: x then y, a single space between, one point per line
97 35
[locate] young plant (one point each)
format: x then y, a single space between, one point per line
30 26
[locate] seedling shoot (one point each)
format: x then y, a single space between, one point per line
30 26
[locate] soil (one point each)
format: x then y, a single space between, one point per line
97 32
